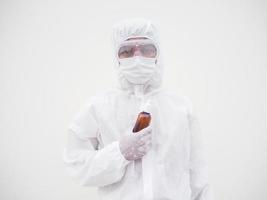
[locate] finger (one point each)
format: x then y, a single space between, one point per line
144 140
141 153
146 137
146 148
148 128
137 155
148 142
141 141
142 136
148 145
146 132
142 148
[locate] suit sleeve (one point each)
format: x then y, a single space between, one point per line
199 180
83 161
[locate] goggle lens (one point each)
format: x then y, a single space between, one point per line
130 50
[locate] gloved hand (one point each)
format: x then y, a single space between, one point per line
135 145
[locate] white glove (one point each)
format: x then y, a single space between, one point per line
135 145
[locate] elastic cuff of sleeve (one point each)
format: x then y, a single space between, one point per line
119 154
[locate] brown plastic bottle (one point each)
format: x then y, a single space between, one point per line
143 120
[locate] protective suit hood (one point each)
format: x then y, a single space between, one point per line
130 28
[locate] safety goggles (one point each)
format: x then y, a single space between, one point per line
145 48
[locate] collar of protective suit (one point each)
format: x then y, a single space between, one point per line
138 91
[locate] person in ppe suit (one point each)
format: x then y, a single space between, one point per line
164 161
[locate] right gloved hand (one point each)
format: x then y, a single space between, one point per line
135 145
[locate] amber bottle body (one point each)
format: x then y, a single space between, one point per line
143 121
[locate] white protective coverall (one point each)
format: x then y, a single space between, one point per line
175 166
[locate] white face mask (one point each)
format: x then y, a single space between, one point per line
137 69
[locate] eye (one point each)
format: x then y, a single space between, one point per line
149 50
125 52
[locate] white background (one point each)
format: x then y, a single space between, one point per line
56 54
